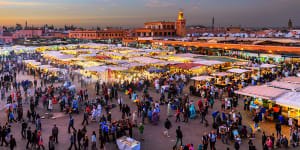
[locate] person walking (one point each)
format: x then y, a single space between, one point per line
168 125
94 147
12 142
213 139
29 137
179 136
278 129
85 118
178 115
120 101
79 137
203 115
205 140
23 131
51 143
40 139
141 130
73 140
71 124
86 142
55 133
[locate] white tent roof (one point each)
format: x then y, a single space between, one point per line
253 68
220 74
58 55
264 92
33 62
285 85
147 60
295 80
131 65
290 99
104 68
237 70
267 66
201 78
44 66
209 62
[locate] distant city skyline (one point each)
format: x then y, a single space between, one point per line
133 13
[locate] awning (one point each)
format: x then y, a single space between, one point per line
295 80
238 70
285 85
221 74
264 92
201 78
290 99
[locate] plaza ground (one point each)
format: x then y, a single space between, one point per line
154 138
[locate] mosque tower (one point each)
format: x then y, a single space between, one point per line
180 25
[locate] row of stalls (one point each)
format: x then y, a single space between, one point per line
113 63
46 69
223 79
280 98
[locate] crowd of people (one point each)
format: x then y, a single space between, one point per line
43 89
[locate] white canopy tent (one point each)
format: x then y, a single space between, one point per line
267 66
238 70
201 78
45 66
295 80
264 92
209 62
147 60
290 99
221 74
285 85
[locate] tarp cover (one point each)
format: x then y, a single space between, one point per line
264 92
290 99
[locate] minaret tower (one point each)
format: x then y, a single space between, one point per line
180 25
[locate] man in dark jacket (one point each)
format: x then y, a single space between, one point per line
168 126
29 137
179 136
55 133
73 140
278 129
263 138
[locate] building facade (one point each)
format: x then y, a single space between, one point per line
27 34
156 29
98 34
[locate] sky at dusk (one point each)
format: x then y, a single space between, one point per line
133 13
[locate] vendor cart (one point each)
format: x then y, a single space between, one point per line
127 143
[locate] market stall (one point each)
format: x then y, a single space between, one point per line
263 96
290 103
222 78
295 80
127 143
285 85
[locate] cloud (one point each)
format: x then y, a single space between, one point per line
17 3
102 8
158 4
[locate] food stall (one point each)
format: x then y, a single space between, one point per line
290 103
127 143
262 96
222 78
239 74
183 67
